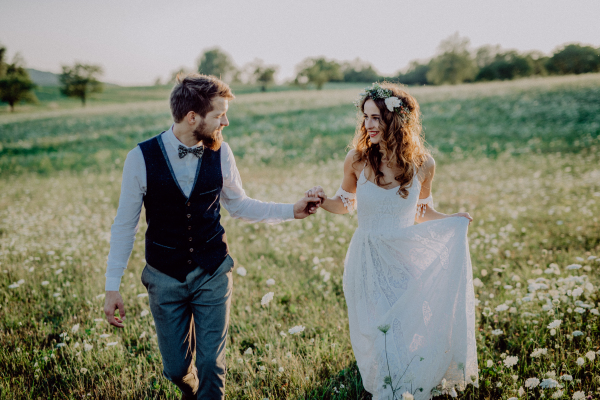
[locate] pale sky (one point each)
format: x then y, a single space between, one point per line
137 41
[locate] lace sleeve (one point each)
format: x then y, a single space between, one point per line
349 199
422 205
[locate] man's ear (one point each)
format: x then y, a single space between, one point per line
191 118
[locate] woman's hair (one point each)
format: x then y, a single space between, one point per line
402 138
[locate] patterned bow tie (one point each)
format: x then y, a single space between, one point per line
197 151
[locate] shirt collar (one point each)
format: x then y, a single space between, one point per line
170 137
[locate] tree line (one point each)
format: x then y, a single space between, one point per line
454 63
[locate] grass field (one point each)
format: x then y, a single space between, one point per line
523 157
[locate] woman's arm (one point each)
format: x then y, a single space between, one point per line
425 210
341 203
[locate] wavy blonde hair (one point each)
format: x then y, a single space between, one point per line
402 138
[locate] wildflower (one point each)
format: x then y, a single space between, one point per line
577 333
83 370
490 363
241 271
558 394
281 369
105 335
577 292
88 347
511 361
142 295
555 324
58 271
513 398
539 352
282 334
579 310
580 361
270 282
248 351
531 383
296 329
497 332
262 368
143 335
44 283
574 266
384 328
98 320
266 298
407 396
144 313
548 383
100 296
61 345
487 312
75 328
501 307
552 332
521 391
477 282
566 377
590 355
579 395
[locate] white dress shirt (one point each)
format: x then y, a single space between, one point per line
133 189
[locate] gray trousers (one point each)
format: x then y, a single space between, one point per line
192 317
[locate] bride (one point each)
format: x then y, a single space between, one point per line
409 288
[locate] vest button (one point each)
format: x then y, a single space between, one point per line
189 215
190 239
189 228
191 250
189 261
189 204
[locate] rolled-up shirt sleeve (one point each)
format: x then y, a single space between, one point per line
239 205
126 223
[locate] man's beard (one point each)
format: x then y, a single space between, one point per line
210 139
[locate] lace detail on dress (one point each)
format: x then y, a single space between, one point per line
349 199
422 205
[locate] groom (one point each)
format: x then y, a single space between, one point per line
182 176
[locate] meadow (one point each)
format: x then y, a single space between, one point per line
523 157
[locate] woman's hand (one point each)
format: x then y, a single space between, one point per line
463 214
316 191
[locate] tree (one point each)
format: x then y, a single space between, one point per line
262 74
453 64
318 71
218 63
505 66
416 74
80 80
575 59
359 71
15 83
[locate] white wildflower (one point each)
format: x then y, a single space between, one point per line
555 324
104 335
497 332
489 363
109 344
579 310
83 370
88 347
267 298
531 383
548 383
579 395
580 361
477 282
577 333
392 102
144 313
501 307
44 283
281 369
590 355
248 351
510 361
241 271
566 377
142 295
539 352
270 282
296 329
521 391
75 328
574 266
558 394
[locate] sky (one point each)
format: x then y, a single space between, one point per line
138 41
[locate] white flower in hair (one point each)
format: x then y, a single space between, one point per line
392 102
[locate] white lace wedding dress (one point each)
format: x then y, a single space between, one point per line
416 279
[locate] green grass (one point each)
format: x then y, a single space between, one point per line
522 157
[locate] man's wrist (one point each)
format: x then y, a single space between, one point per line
112 284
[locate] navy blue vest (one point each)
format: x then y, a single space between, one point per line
184 233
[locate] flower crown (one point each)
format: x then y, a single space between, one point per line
393 103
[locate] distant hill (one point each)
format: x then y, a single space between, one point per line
43 78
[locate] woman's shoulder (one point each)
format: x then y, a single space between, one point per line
352 163
427 168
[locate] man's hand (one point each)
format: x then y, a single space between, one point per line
113 301
306 206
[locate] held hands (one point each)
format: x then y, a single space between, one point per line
306 206
316 191
462 214
113 301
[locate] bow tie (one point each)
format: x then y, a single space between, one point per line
197 151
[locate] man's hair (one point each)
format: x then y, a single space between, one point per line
194 92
